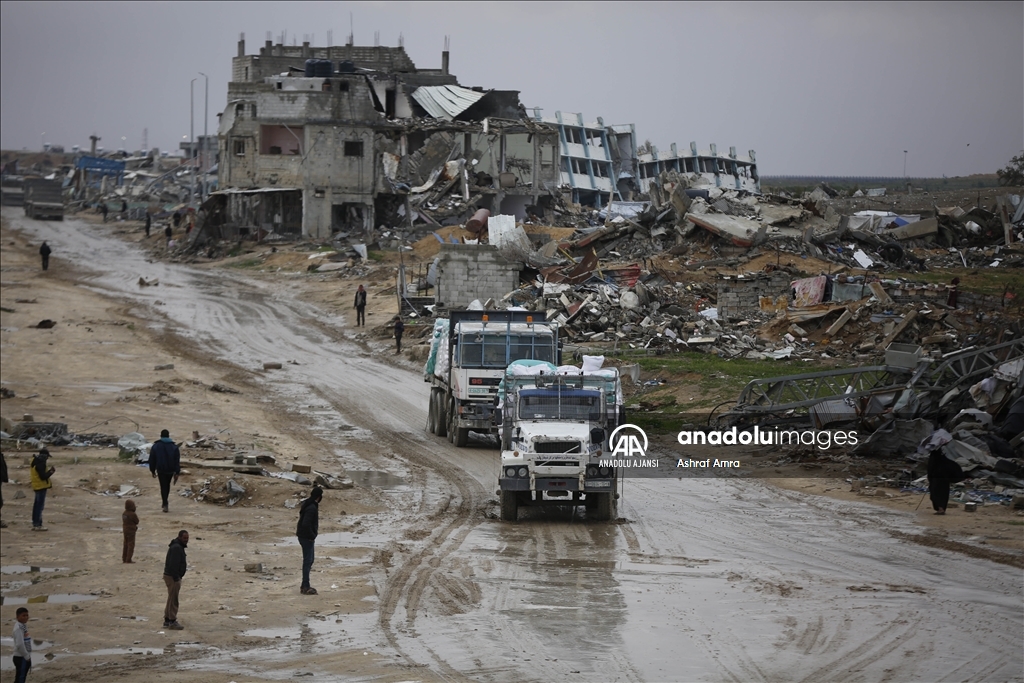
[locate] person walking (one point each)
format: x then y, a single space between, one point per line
360 307
124 209
45 252
40 474
22 646
149 223
165 463
3 480
307 529
168 233
129 525
104 210
399 330
175 567
941 473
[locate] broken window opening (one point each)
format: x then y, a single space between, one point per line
353 148
254 111
239 148
239 109
246 73
281 140
348 217
573 135
342 86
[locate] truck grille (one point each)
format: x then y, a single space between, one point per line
557 447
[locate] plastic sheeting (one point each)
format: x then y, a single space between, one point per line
439 335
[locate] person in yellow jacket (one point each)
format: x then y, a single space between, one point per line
40 484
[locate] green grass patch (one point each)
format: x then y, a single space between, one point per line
988 281
375 256
248 263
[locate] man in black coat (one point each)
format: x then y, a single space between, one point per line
149 222
45 251
165 462
941 473
360 306
307 529
175 567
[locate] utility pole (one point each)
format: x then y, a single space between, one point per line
205 145
192 138
904 164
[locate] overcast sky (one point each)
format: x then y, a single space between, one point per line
822 88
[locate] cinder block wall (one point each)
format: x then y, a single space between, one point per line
736 297
472 271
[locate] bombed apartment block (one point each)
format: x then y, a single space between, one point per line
349 139
729 172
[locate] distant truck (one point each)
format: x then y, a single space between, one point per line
12 190
44 198
555 429
468 357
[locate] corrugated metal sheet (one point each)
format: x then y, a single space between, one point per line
446 101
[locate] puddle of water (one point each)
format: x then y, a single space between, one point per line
7 641
60 598
382 480
135 618
110 651
26 569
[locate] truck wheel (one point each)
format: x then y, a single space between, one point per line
442 415
509 506
461 437
432 412
604 508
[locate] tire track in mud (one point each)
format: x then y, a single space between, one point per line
449 525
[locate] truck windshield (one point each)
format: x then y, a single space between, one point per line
555 405
477 350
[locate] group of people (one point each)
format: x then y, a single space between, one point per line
360 306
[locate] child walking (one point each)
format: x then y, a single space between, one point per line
129 524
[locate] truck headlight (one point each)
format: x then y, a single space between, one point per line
592 471
510 471
605 471
522 472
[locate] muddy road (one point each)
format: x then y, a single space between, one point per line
702 580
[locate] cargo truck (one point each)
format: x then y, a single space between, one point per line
469 353
43 198
556 423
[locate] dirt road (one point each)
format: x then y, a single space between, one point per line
703 580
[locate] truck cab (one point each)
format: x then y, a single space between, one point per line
555 428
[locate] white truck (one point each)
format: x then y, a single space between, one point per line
468 356
556 423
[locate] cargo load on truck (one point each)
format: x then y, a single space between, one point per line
469 354
555 426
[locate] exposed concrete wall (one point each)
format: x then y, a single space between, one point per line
736 297
469 271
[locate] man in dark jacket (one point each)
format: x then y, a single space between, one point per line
399 330
175 567
165 462
360 306
44 251
308 527
149 222
941 473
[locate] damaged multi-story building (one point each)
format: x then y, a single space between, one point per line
321 140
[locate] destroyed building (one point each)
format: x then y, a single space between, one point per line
729 172
323 140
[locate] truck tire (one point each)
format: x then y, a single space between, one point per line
509 506
442 415
432 412
605 507
461 437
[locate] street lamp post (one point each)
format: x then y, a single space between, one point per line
192 138
206 112
904 164
42 145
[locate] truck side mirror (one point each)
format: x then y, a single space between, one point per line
596 435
